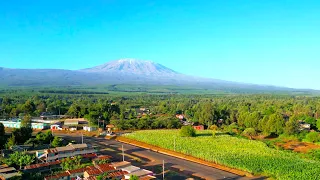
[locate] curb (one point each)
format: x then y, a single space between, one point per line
182 156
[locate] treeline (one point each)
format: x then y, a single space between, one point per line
269 114
71 92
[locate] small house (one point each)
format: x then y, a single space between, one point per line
90 129
140 173
199 128
304 126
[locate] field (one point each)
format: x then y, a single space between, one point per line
252 156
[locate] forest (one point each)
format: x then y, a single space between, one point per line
265 113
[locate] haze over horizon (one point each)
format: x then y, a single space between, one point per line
266 42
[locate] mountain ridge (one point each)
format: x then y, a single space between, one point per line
122 71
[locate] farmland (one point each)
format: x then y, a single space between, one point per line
252 156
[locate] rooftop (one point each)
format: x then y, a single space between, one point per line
8 169
77 171
70 147
93 171
121 164
105 167
57 176
35 166
130 169
117 174
141 173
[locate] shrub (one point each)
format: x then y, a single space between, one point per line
187 131
249 132
313 137
314 154
213 127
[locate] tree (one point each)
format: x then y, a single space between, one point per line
187 131
134 177
313 137
11 142
26 122
44 138
71 163
77 160
57 142
275 124
312 121
249 132
2 130
19 159
292 126
22 134
318 124
25 160
2 136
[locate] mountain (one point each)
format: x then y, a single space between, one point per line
133 67
123 71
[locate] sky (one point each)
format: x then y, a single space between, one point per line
273 42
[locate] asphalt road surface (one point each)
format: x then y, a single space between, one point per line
190 169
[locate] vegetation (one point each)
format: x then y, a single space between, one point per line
71 163
269 114
57 142
313 137
187 131
252 156
19 159
134 177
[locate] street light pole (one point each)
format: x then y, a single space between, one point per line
163 169
174 143
122 153
82 138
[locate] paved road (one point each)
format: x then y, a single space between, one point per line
180 165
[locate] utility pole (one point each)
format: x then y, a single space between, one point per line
163 169
82 138
122 153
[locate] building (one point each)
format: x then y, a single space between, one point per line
130 169
199 128
180 116
110 128
304 126
17 124
70 150
90 129
60 176
120 165
43 167
8 172
98 170
140 173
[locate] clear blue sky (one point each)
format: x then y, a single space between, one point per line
273 42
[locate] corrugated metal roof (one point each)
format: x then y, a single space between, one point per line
8 169
105 167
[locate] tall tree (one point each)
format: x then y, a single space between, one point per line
26 121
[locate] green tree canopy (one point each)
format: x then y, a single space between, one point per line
187 131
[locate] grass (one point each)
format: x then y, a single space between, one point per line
249 155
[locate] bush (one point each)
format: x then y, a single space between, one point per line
213 127
312 137
187 131
314 154
249 132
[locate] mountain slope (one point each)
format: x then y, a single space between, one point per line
123 71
